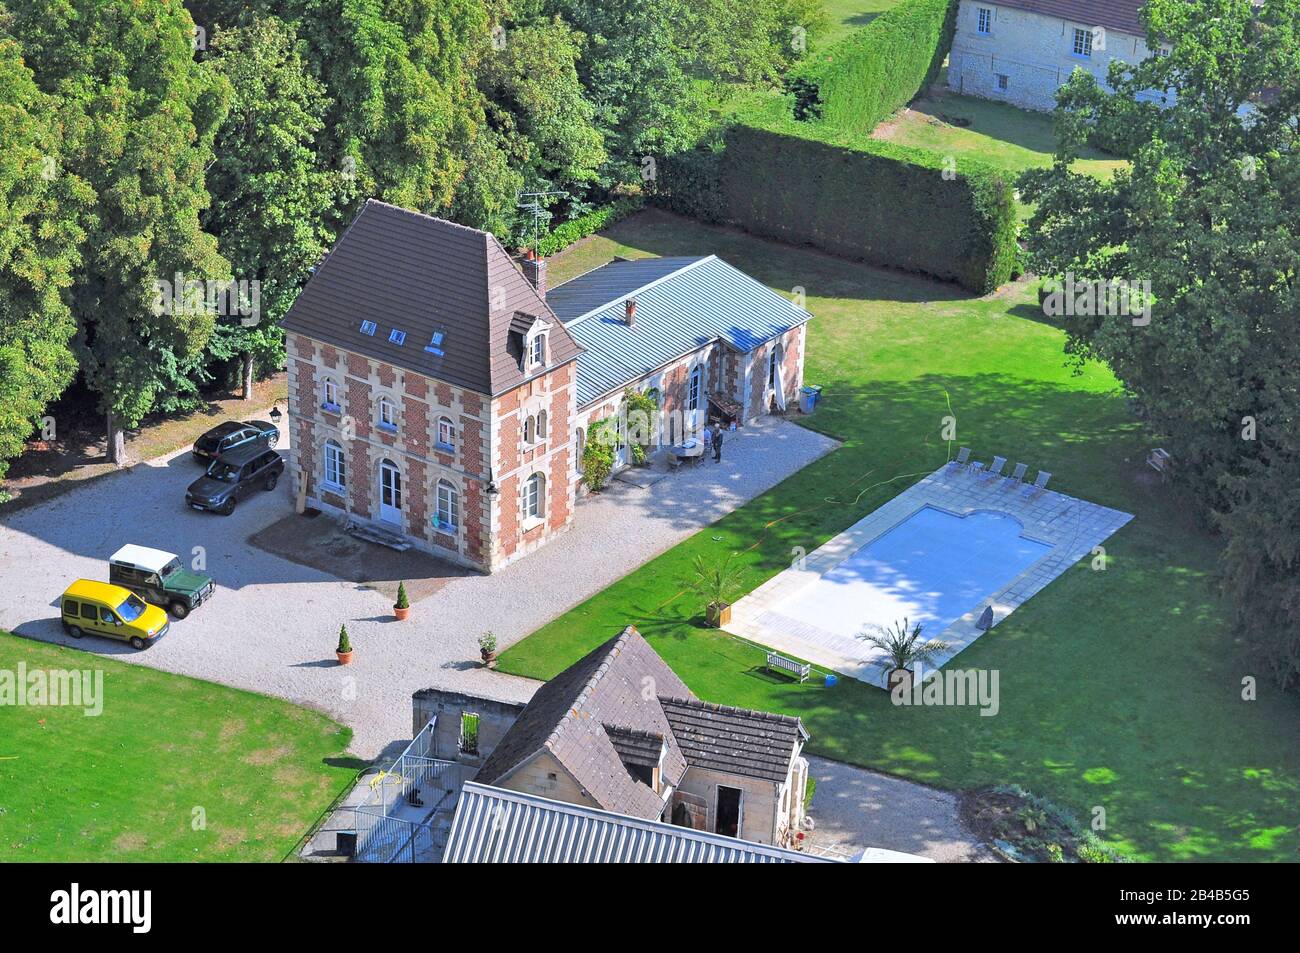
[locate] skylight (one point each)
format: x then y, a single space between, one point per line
435 345
397 337
369 327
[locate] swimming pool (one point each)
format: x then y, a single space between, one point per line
931 568
938 553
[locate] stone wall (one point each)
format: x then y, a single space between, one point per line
1034 51
495 719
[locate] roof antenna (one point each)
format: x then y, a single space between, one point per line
535 203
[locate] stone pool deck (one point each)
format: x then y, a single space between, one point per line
1072 527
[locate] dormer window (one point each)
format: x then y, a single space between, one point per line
369 327
435 343
397 337
537 350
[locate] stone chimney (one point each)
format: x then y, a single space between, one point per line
535 270
629 312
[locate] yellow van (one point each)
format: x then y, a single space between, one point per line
100 608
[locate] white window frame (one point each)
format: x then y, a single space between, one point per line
446 507
334 455
537 350
460 733
1082 38
534 499
329 392
984 21
1002 81
695 388
446 433
539 428
391 422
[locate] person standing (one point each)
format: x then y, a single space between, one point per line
717 444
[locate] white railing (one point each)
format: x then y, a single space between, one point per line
398 822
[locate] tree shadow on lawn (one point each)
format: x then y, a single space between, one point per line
777 265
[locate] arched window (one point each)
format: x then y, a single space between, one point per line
580 442
446 434
530 429
696 386
535 497
541 425
336 473
387 413
329 394
447 511
537 350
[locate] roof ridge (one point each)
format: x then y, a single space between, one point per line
640 289
380 203
579 701
730 709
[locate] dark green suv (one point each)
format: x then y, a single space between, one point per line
159 578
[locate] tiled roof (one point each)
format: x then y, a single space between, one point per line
636 747
424 275
1121 15
754 744
567 717
492 825
682 305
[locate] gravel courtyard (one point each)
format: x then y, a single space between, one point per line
855 808
272 625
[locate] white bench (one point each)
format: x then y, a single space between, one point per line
803 670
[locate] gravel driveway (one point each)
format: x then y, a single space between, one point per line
272 625
855 808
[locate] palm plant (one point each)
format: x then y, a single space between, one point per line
902 645
716 581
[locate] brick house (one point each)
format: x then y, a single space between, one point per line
437 393
1023 51
618 731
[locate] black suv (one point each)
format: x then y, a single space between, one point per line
225 438
234 477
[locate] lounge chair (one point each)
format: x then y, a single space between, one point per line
1017 477
1034 491
963 458
995 468
975 469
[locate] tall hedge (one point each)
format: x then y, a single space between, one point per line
850 195
861 80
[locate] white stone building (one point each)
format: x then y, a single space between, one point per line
1022 51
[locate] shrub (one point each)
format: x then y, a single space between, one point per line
345 645
862 79
402 601
598 454
564 235
854 196
487 642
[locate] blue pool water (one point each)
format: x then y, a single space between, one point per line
932 568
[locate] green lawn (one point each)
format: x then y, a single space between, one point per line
845 16
997 134
1119 689
126 785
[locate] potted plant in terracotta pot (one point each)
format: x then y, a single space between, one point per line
344 650
717 582
487 647
903 648
402 607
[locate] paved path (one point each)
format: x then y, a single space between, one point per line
855 808
273 624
